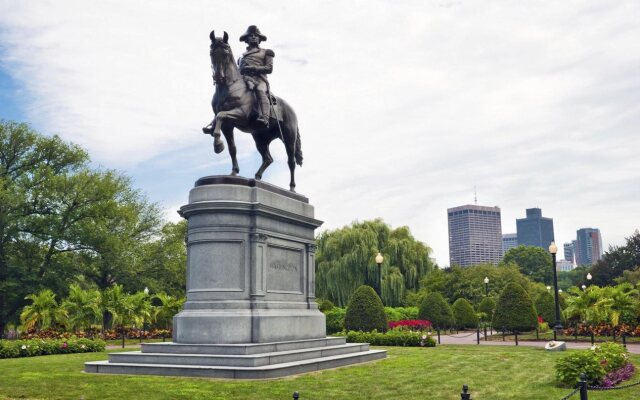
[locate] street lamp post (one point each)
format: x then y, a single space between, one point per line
589 277
486 286
553 249
379 260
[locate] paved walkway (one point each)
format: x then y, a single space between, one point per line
470 338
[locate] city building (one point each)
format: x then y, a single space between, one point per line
509 241
475 235
564 265
568 252
535 230
588 249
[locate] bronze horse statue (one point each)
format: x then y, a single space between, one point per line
233 105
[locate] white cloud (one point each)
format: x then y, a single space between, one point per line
403 107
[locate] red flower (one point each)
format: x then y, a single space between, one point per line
540 319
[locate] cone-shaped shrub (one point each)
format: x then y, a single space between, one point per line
546 307
464 314
365 311
514 310
487 306
435 308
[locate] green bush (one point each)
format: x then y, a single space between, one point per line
394 337
40 347
335 320
514 310
464 314
434 308
611 355
569 368
546 307
401 313
365 311
324 305
487 307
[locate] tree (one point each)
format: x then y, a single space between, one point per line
546 307
514 310
365 311
165 308
43 312
82 307
464 315
59 218
487 307
345 260
434 308
617 260
534 262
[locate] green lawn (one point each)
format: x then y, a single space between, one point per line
408 373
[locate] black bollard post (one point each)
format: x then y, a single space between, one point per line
478 335
593 339
555 335
614 335
123 337
537 334
503 336
465 395
438 335
624 339
583 387
516 338
485 333
296 396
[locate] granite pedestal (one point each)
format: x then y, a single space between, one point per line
250 309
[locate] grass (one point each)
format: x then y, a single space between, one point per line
408 373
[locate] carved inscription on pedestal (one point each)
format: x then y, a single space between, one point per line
284 270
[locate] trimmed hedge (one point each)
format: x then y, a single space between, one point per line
546 307
401 313
488 307
464 314
365 311
435 308
335 320
514 310
42 347
394 337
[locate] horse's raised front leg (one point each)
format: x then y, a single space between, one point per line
218 145
228 135
262 144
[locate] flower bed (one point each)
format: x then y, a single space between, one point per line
605 364
41 347
110 334
412 324
394 337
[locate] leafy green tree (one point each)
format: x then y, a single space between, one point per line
514 310
575 277
534 262
82 307
345 260
434 308
630 276
365 311
165 307
487 307
617 260
464 315
546 307
43 312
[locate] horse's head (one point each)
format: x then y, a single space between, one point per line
221 57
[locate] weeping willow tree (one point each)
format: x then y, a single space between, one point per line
345 259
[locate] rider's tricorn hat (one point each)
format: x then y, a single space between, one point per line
252 29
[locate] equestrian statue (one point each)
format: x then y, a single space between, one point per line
243 100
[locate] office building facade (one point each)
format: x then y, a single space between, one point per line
568 252
535 230
475 235
509 241
588 248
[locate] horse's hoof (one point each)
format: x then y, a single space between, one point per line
218 147
258 177
292 189
234 173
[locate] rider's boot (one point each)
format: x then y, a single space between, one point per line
263 102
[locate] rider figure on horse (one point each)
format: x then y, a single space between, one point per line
254 66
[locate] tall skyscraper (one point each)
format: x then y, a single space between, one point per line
535 230
568 252
475 235
588 248
509 241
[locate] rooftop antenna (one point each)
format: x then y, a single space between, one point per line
475 195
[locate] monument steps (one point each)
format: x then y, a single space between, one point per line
291 366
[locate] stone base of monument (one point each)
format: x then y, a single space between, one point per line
250 311
237 361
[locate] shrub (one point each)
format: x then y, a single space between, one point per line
411 324
569 368
335 320
514 310
325 305
40 347
401 313
611 355
365 311
435 308
464 315
487 307
394 337
546 307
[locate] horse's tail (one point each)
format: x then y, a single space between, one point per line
298 147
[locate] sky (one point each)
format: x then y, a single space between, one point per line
404 107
